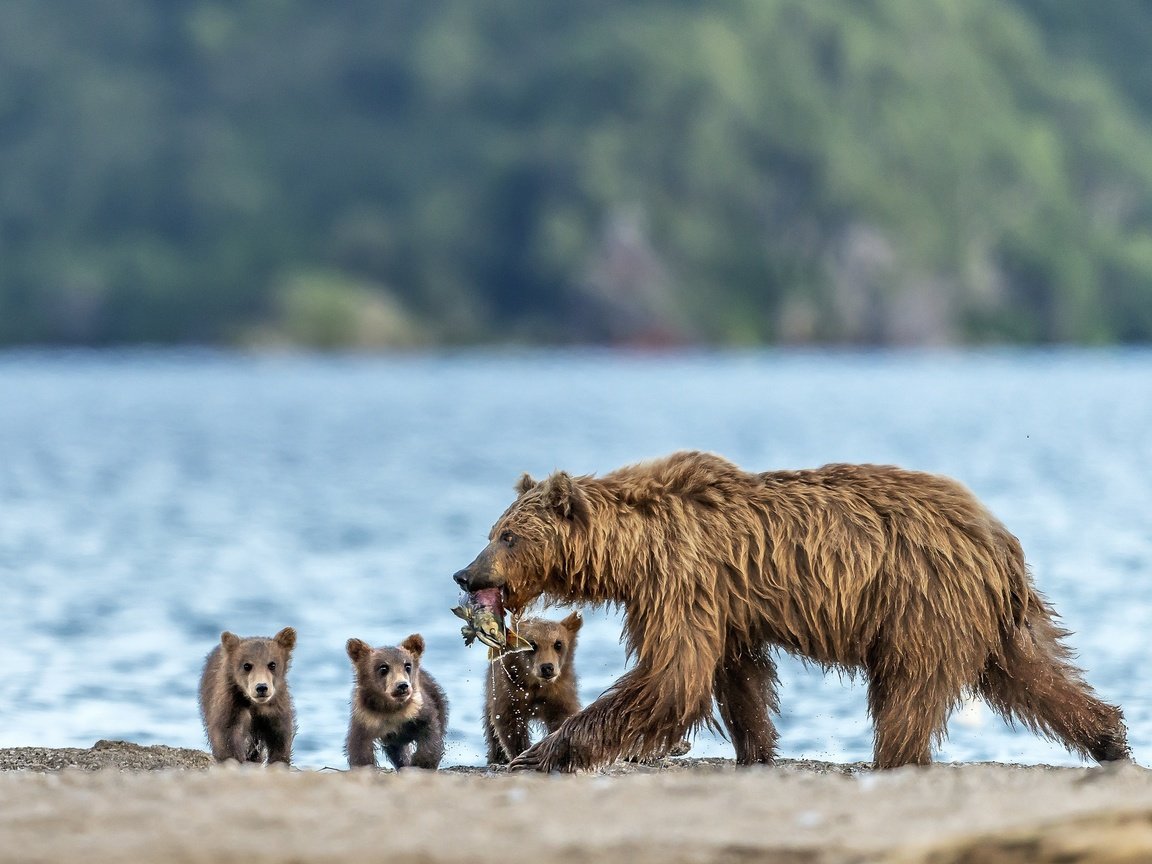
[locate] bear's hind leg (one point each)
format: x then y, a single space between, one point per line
1038 685
745 692
909 710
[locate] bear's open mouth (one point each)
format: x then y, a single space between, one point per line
483 613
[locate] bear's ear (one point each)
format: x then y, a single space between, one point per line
286 638
414 644
562 494
230 641
524 484
573 622
357 649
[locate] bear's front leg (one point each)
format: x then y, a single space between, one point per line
512 733
360 746
279 740
641 714
241 745
496 754
429 750
400 755
553 753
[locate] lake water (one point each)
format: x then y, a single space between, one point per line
150 500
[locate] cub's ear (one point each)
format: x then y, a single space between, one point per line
230 641
524 484
357 649
286 638
414 644
562 494
573 622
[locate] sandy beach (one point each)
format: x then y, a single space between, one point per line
122 802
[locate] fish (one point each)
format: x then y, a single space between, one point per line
483 615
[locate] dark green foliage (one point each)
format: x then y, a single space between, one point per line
739 171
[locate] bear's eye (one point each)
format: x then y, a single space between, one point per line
407 667
383 670
559 646
272 666
247 667
508 538
535 647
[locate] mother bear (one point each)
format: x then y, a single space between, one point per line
900 574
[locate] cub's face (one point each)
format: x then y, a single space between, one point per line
525 546
389 674
553 644
258 666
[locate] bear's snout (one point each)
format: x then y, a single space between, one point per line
480 574
261 690
547 670
402 688
472 581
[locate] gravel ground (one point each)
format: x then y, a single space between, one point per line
170 804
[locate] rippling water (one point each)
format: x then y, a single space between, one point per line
150 500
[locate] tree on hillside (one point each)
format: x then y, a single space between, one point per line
739 172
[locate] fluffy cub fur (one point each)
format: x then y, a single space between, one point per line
395 703
244 699
525 686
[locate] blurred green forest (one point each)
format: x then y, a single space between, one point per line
357 173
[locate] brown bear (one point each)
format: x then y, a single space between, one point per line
902 575
244 699
396 703
536 685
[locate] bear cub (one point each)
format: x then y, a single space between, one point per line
532 685
397 703
244 699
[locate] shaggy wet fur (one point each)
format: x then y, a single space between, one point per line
523 687
397 703
902 575
244 700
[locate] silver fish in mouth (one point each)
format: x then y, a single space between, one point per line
483 614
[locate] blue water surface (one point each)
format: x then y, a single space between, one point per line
149 500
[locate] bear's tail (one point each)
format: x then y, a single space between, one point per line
1034 681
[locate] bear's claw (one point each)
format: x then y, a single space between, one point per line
553 753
